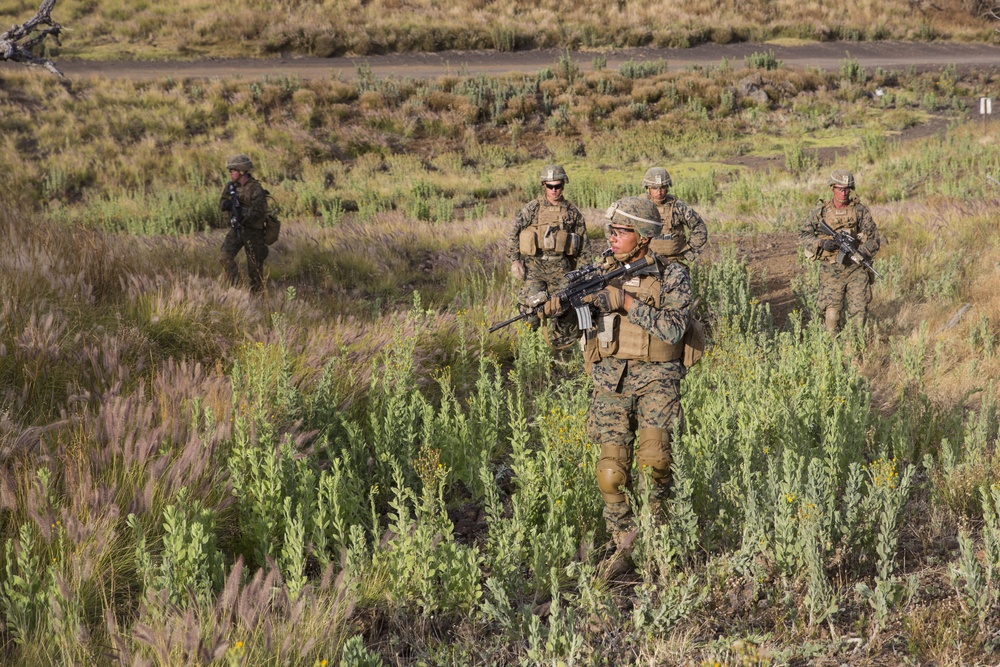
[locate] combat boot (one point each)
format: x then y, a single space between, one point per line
619 562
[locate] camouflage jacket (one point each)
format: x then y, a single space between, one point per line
668 322
253 201
859 224
685 216
574 223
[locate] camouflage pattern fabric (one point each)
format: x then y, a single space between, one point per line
548 275
839 283
685 216
253 200
631 395
251 238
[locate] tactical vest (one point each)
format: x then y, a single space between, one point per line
547 235
619 338
673 240
840 219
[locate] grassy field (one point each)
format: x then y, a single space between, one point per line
195 28
349 470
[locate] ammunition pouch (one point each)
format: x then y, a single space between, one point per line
668 246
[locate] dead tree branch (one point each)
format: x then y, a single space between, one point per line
17 43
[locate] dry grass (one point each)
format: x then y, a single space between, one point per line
193 28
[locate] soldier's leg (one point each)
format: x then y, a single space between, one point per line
859 295
659 413
831 296
227 257
256 251
610 425
532 293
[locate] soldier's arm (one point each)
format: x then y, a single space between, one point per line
256 206
870 232
524 218
578 225
225 203
698 236
809 234
669 322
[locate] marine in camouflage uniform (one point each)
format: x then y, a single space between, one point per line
547 238
684 232
636 351
250 235
841 281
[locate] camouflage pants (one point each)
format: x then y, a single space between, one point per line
633 398
838 284
549 277
252 242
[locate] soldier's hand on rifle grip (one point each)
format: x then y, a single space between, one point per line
608 300
552 308
517 269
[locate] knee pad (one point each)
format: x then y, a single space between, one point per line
654 453
612 473
832 319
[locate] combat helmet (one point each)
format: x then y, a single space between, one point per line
639 213
841 178
239 162
657 177
554 172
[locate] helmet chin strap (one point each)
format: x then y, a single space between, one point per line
625 257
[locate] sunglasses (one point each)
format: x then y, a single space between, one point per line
554 186
618 231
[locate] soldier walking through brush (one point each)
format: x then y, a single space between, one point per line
675 242
546 240
245 200
842 276
636 357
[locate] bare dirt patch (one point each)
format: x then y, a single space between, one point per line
826 55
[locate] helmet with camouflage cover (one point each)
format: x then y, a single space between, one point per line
554 172
657 177
841 178
639 213
239 162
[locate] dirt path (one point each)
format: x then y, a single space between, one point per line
826 55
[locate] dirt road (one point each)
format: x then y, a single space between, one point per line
827 55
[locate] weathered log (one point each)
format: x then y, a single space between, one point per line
17 43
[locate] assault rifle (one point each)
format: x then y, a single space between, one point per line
235 212
848 249
583 282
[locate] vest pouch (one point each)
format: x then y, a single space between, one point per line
694 342
667 246
607 335
528 242
549 238
568 243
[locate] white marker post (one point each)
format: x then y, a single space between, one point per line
985 109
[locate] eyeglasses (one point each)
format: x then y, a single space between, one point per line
618 231
554 186
841 189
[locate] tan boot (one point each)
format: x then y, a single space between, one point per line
619 562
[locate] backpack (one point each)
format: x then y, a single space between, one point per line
272 226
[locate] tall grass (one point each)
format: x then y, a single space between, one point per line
349 469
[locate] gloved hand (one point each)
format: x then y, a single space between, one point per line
608 300
829 245
552 308
517 269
